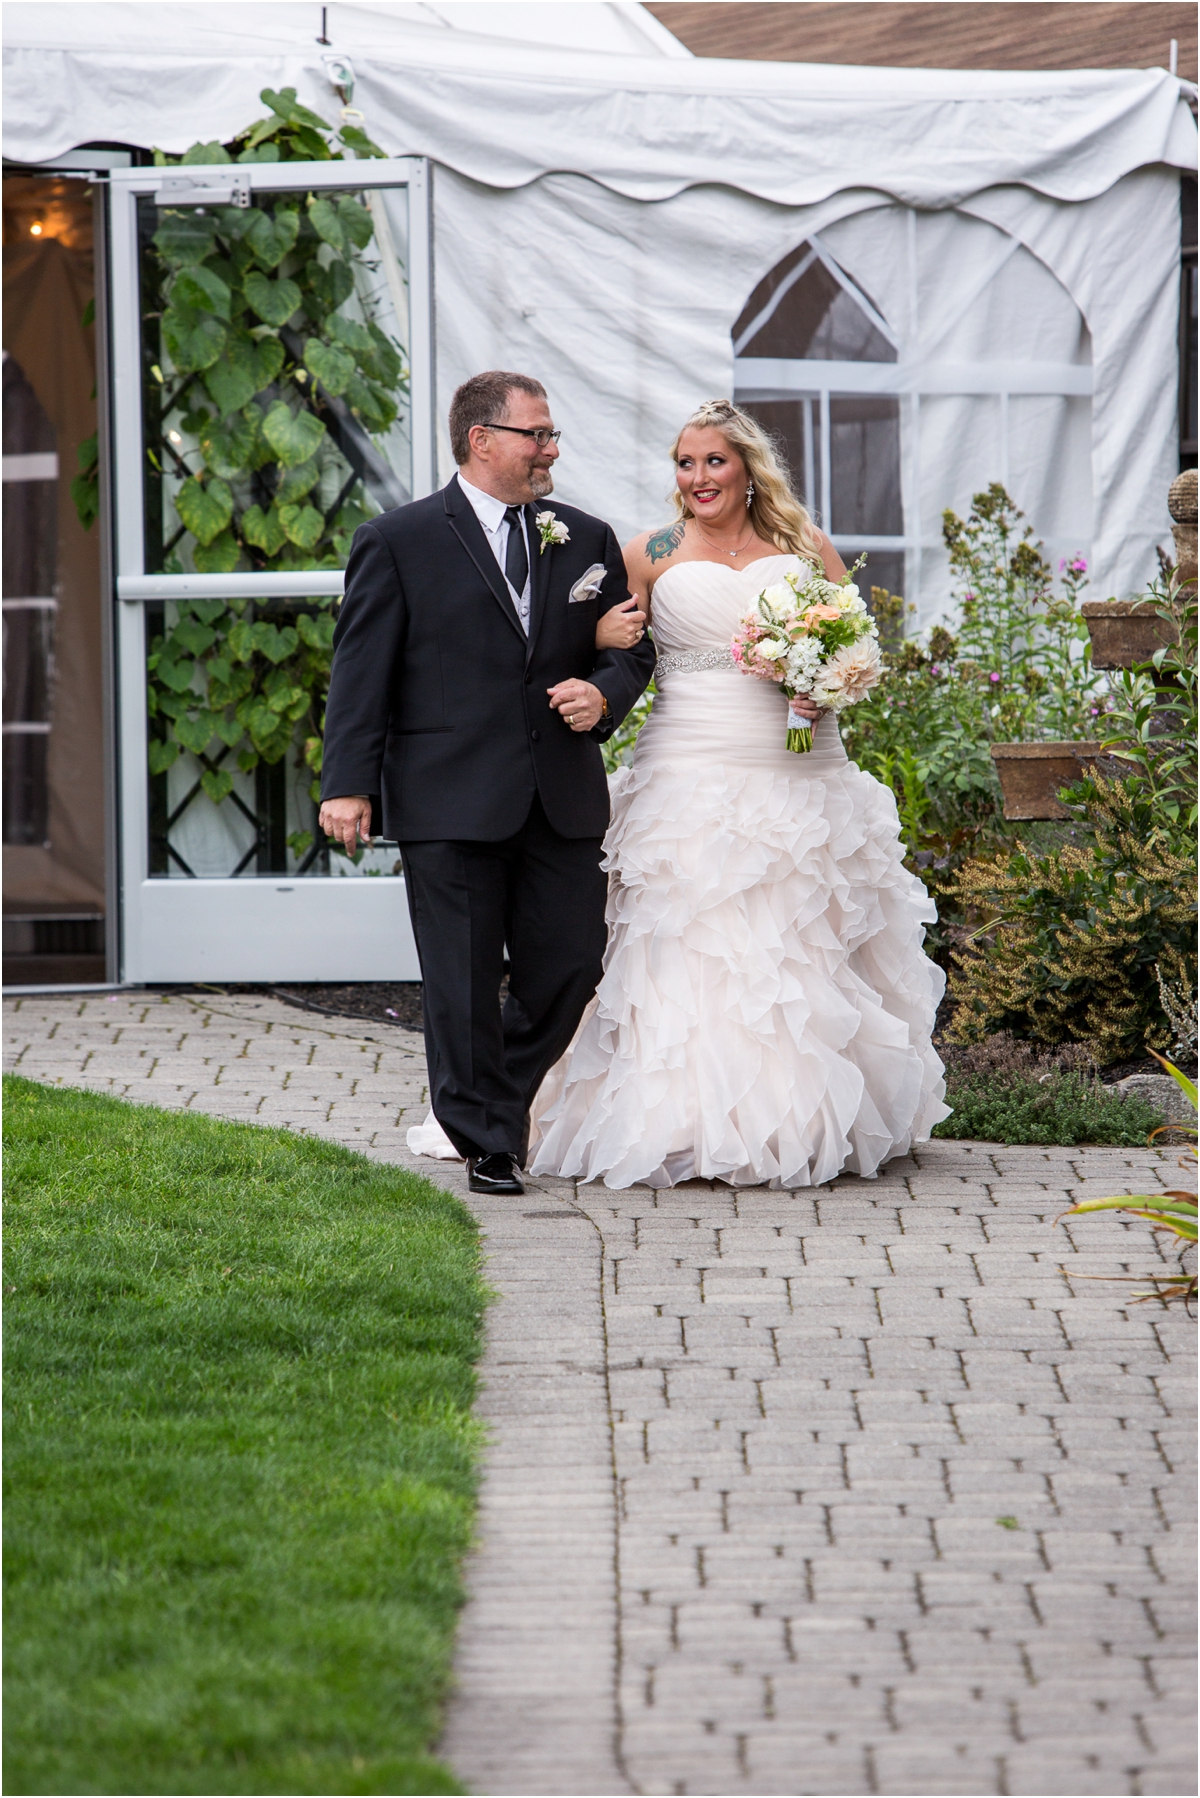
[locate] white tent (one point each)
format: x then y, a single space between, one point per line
938 278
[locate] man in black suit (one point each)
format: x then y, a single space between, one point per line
468 702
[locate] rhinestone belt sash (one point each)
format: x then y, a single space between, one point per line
691 661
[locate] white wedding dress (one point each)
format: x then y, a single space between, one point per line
766 1007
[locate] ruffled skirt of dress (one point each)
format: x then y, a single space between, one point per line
766 1009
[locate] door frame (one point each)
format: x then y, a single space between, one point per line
334 927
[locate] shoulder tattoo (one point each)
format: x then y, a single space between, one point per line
664 543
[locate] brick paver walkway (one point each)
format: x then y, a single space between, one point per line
864 1490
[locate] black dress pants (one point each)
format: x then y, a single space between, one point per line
544 896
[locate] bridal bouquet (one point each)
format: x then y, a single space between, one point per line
812 636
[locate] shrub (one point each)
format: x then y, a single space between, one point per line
1003 1090
1075 936
1085 940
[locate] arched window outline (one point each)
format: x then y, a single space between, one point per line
917 371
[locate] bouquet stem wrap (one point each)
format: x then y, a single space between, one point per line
815 638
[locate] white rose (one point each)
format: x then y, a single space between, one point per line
552 529
778 597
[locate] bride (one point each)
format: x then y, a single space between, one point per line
766 1008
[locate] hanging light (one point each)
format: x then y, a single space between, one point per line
36 229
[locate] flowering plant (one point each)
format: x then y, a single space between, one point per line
811 636
551 530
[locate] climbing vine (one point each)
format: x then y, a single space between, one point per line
270 385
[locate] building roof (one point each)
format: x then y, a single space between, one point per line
947 34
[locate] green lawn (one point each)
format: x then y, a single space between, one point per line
240 1459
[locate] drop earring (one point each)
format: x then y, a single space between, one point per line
749 495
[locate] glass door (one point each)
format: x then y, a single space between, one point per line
272 389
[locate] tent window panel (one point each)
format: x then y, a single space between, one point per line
796 426
802 311
1049 466
883 568
864 437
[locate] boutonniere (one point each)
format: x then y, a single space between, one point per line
551 530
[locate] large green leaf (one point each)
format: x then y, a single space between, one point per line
217 783
161 755
228 729
385 361
316 629
192 637
348 332
303 525
368 402
176 675
286 106
210 152
277 645
196 733
355 222
205 510
271 238
281 692
263 530
226 447
332 367
245 369
184 237
293 436
201 289
358 141
274 301
262 724
323 213
297 482
218 557
333 285
194 339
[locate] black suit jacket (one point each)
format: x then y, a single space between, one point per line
437 700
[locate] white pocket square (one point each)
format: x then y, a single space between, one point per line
589 584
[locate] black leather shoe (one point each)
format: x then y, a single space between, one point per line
494 1173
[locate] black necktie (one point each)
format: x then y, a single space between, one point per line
516 560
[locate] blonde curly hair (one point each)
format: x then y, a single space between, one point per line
775 513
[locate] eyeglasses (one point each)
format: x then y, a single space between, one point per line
541 438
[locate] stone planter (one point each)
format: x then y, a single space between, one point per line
1124 632
1032 773
1181 503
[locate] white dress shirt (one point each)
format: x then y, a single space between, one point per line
490 513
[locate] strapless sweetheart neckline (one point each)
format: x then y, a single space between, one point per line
727 568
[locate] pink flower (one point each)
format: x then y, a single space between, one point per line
735 650
820 615
993 677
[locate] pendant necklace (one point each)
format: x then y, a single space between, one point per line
717 546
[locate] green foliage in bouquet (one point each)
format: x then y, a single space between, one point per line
1097 939
265 376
